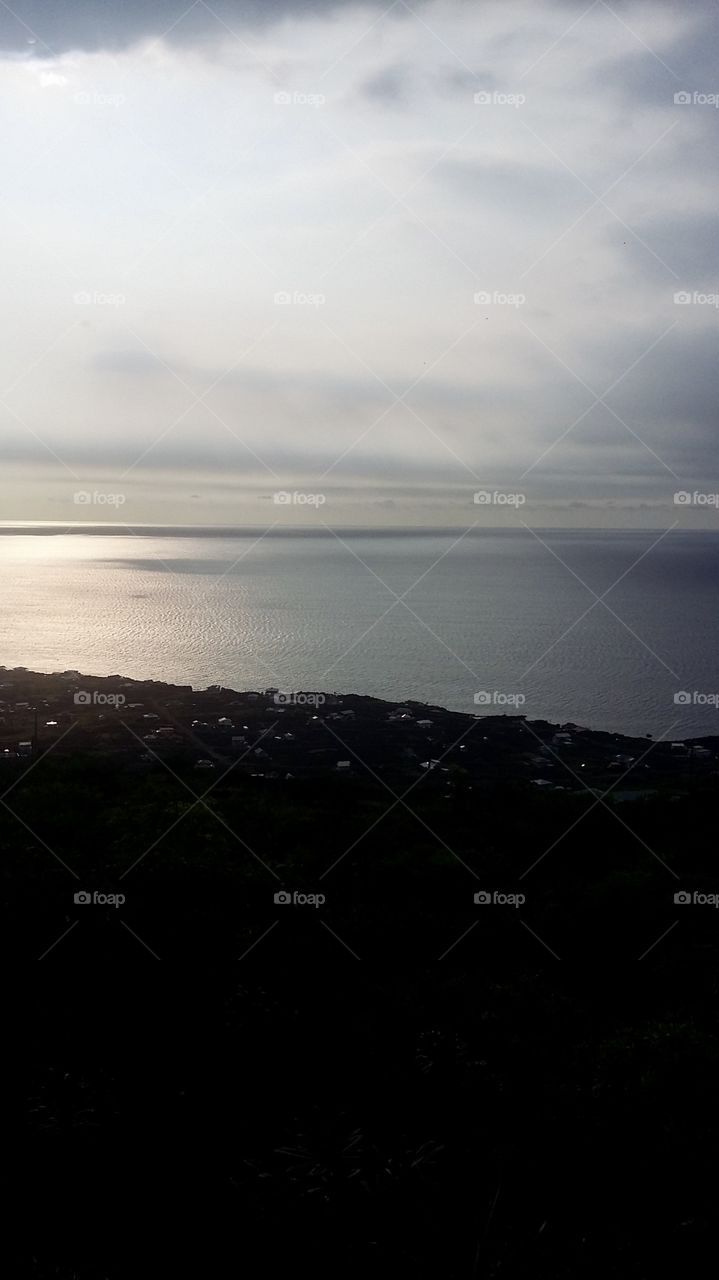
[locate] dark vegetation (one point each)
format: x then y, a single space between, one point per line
212 1084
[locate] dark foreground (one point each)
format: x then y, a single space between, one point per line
397 1079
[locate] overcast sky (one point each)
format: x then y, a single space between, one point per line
389 255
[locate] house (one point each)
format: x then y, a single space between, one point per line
343 765
25 748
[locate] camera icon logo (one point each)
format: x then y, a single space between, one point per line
283 98
282 498
482 699
283 298
483 897
482 497
283 898
682 698
483 98
82 897
683 897
82 698
82 498
682 98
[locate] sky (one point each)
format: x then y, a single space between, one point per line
290 263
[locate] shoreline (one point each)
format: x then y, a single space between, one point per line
311 733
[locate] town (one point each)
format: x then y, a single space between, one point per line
273 735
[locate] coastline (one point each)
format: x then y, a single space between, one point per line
318 733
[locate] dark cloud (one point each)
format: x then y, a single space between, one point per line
389 87
200 453
689 64
688 243
47 27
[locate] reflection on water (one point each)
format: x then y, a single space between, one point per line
494 612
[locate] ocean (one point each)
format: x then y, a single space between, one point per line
611 630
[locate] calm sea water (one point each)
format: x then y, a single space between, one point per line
495 612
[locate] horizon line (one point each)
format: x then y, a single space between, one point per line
110 529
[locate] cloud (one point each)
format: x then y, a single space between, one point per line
50 79
47 28
389 87
163 185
